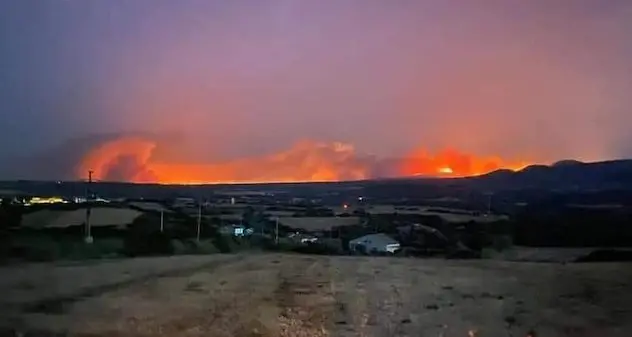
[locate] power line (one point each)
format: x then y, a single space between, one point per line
162 220
276 232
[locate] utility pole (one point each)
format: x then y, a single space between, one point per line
162 220
199 221
489 203
88 237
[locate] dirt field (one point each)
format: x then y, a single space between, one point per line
299 295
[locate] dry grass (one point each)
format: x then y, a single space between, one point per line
227 217
596 206
150 206
50 280
319 223
11 193
543 254
292 295
280 214
450 214
242 193
236 206
461 218
100 216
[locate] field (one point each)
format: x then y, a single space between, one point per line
448 214
150 206
319 223
300 295
100 216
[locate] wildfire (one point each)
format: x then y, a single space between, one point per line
452 163
134 159
446 170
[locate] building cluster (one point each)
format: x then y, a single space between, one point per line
52 200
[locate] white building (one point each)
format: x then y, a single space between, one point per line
374 243
236 230
303 238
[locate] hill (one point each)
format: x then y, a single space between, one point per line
566 175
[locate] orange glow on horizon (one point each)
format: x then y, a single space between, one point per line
452 163
446 170
132 159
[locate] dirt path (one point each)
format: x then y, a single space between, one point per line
297 295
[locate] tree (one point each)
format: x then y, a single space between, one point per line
10 214
248 214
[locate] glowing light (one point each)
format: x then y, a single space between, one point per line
45 200
453 163
445 170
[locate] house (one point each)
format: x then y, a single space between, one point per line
374 243
45 200
303 238
236 230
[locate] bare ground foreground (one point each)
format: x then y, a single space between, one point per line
299 295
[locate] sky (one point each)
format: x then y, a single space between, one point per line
216 81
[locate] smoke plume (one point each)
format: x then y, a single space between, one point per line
137 159
133 159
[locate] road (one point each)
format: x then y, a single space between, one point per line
299 295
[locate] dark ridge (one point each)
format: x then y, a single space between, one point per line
497 173
567 162
565 175
535 168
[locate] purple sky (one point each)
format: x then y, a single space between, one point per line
539 79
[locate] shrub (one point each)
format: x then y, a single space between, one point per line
40 249
179 247
501 242
314 249
191 246
77 249
37 247
222 243
606 255
138 243
206 247
488 253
